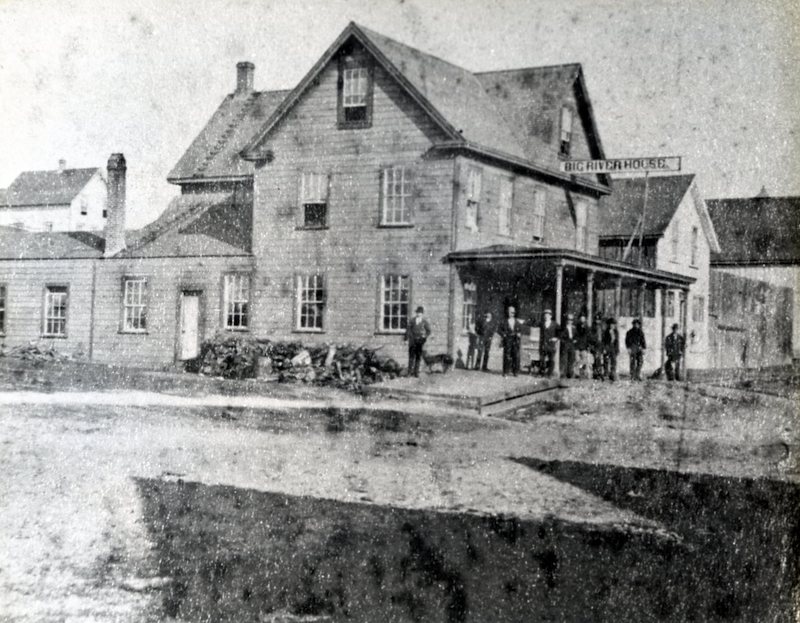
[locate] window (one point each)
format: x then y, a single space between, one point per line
675 240
105 213
314 199
669 307
310 302
566 131
236 301
84 206
394 302
474 180
649 303
134 304
698 308
539 212
694 246
55 311
396 208
3 304
505 199
355 94
469 306
580 225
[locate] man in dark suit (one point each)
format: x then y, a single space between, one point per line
417 333
674 345
610 350
484 330
596 345
635 343
511 335
583 338
568 338
548 343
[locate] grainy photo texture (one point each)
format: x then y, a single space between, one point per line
399 310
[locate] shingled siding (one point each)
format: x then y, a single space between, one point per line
25 282
166 279
354 250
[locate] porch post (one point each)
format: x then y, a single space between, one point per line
685 321
642 291
617 297
589 297
557 316
663 299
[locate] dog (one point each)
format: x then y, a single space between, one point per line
444 360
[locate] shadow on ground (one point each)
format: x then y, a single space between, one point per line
741 560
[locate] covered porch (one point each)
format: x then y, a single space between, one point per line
566 281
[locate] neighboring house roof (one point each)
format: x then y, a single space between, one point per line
16 244
47 188
757 230
455 98
215 151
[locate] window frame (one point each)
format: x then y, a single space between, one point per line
675 239
694 245
505 213
226 302
314 190
143 304
698 308
322 302
565 133
383 303
50 288
3 307
405 196
669 305
581 225
474 190
84 206
539 219
469 306
347 64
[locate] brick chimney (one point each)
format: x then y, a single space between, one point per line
62 164
115 223
244 78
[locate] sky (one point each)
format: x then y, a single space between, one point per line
713 81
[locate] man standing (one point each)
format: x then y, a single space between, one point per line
417 332
596 344
674 345
582 339
548 343
484 332
511 335
568 337
610 350
634 342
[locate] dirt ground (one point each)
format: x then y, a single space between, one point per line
119 512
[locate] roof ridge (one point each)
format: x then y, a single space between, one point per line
515 69
61 170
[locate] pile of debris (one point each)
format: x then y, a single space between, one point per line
37 352
344 365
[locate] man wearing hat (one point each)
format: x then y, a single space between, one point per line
568 338
582 346
548 343
596 346
511 335
635 343
610 350
417 332
674 345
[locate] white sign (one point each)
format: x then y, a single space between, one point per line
656 164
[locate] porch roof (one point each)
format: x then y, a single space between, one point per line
569 257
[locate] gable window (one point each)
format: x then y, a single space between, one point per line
84 206
395 291
396 208
505 201
314 200
580 225
474 182
674 241
3 304
469 306
355 93
134 304
694 246
539 211
310 302
55 311
566 132
669 307
236 301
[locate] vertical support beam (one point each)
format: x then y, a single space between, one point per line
685 321
557 315
589 297
663 302
617 297
642 292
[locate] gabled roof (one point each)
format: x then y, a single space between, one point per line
757 230
16 244
40 188
214 153
454 98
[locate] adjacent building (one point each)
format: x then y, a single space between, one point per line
58 200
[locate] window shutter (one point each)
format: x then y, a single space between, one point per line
382 180
414 192
301 193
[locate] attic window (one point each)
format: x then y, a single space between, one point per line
355 93
566 131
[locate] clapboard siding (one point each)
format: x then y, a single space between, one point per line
355 250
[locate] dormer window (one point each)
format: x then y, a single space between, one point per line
566 131
355 93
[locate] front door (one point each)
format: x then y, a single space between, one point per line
189 346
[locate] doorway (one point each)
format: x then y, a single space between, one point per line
189 329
